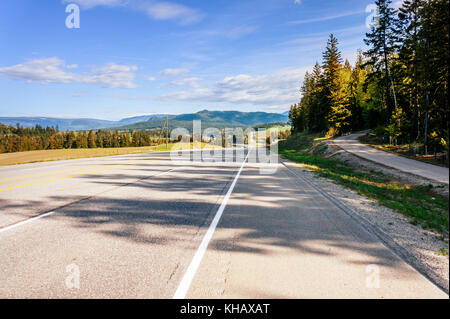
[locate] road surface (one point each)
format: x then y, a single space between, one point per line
351 144
137 226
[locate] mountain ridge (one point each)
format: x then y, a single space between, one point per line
218 119
221 118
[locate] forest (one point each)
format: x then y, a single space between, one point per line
18 139
398 86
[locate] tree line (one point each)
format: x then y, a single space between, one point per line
398 86
18 139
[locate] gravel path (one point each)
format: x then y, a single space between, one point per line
351 144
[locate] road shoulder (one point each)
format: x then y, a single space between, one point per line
295 250
419 247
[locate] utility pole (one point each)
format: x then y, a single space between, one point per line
165 132
167 135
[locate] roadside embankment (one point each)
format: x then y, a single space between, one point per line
411 212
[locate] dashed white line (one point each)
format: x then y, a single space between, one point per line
25 222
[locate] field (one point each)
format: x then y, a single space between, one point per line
66 154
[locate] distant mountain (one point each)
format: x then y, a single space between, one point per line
218 119
77 124
233 117
143 118
63 124
286 113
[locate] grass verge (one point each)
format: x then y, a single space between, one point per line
420 203
66 154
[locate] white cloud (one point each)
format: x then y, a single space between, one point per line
151 78
79 94
307 41
241 31
54 70
87 4
327 17
192 81
45 70
171 11
113 75
173 72
157 10
278 88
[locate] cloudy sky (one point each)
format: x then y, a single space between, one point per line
133 57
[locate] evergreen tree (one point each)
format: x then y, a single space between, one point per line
357 93
382 41
331 66
435 36
91 139
339 117
410 57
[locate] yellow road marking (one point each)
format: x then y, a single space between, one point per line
59 171
61 178
44 173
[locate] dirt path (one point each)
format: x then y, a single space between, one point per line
351 144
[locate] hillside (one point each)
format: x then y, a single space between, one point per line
75 124
218 119
63 124
233 117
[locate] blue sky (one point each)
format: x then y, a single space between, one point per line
133 57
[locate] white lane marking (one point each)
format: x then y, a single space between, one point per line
51 213
185 283
26 222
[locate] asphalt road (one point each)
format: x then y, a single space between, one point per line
134 227
351 144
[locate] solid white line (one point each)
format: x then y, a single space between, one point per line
26 222
185 283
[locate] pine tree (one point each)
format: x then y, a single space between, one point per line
340 114
410 57
334 105
382 41
332 64
357 93
435 34
91 139
316 110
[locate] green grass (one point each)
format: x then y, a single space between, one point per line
279 128
420 203
442 252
